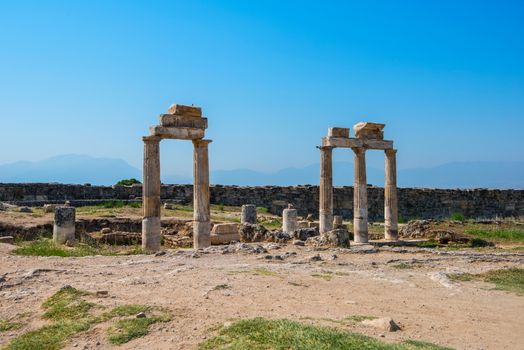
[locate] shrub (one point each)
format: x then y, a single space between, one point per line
457 217
128 182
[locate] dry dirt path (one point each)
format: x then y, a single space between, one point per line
469 315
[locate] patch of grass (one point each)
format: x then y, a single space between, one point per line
46 247
8 325
221 287
273 223
113 204
511 280
67 304
262 210
128 329
71 314
326 276
457 217
498 235
258 271
359 318
403 265
261 334
134 205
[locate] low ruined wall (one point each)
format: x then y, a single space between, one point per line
413 203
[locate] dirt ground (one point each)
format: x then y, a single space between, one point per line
358 281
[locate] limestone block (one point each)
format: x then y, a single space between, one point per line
338 132
289 220
369 131
176 133
225 229
182 110
303 224
177 121
224 238
64 225
249 214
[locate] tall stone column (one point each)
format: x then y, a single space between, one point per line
151 195
201 212
326 189
360 197
390 197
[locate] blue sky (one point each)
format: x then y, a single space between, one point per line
89 77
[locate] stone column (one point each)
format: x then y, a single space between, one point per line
151 195
249 214
326 189
289 220
64 225
360 197
390 197
201 212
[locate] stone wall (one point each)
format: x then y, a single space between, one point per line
413 203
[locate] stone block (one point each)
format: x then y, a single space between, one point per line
224 238
64 225
225 229
249 214
7 239
338 132
369 131
176 133
182 110
177 121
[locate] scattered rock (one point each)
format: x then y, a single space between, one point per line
168 206
298 242
304 233
315 258
49 208
26 210
105 230
384 323
102 293
252 233
7 239
160 253
141 315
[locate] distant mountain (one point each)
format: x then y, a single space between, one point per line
70 169
107 171
502 175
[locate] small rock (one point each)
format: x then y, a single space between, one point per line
102 293
105 230
195 256
298 242
7 239
25 210
141 315
334 257
384 323
160 253
316 258
168 206
69 243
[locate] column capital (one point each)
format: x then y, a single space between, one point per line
359 150
390 151
151 139
325 148
201 143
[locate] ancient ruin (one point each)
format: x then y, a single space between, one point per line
180 123
368 136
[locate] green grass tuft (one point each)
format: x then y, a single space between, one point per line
46 247
511 280
67 304
261 334
7 325
498 235
457 217
128 329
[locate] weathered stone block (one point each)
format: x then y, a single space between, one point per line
369 131
224 238
188 111
225 229
177 121
338 132
64 225
249 214
176 133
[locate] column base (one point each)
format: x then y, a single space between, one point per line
151 234
62 234
391 235
201 234
360 237
325 222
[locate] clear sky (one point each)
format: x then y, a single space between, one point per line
89 77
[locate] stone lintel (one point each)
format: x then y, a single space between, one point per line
187 111
151 138
176 133
355 143
338 132
180 121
